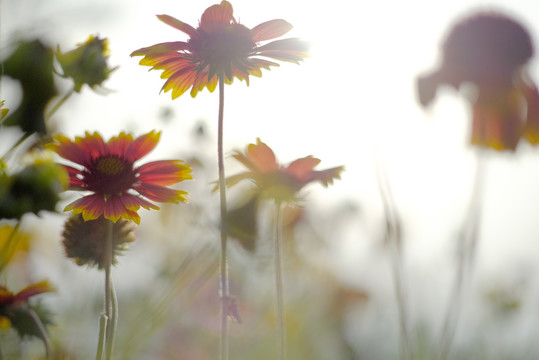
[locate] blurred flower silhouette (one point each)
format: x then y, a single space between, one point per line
279 182
490 50
3 112
220 46
83 241
86 64
14 310
108 171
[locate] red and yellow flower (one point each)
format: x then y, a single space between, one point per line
118 187
277 181
219 47
10 300
491 51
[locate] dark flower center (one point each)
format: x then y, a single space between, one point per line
234 42
109 175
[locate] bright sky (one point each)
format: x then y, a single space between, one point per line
352 103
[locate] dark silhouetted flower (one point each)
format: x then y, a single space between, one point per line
86 64
219 46
107 169
277 181
84 241
491 51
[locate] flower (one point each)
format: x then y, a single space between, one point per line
83 240
107 170
86 64
219 46
277 181
10 302
490 50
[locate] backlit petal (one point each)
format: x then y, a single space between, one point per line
165 172
161 193
177 24
119 145
270 30
91 206
302 169
142 145
262 157
68 150
92 144
216 17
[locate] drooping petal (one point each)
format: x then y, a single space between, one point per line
133 202
91 206
142 146
161 193
75 183
216 17
270 30
115 209
29 291
177 24
164 172
326 177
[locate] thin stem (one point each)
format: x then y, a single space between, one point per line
113 322
468 242
394 240
222 196
42 332
102 334
56 106
279 280
108 291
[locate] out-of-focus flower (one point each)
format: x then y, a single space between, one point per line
32 65
84 241
87 63
107 169
13 245
276 181
13 306
219 46
491 51
3 112
33 189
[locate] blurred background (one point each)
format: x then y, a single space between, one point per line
352 103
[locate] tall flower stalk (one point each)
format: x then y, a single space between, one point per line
217 51
281 184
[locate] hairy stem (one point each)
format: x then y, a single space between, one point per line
109 292
222 197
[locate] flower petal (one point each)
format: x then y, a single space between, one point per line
29 291
68 150
216 17
161 193
164 172
262 157
119 145
75 183
291 50
270 30
142 146
92 144
302 169
326 177
91 206
177 24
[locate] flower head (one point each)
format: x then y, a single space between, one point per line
86 64
219 46
83 240
277 181
490 50
108 171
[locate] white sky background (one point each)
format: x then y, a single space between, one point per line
352 103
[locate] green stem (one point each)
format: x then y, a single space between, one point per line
468 241
108 292
222 196
56 106
42 333
102 334
279 280
394 241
